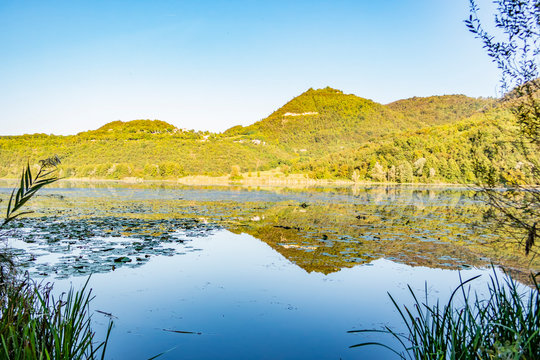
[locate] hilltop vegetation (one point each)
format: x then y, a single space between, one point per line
322 121
444 153
137 129
323 133
140 154
438 110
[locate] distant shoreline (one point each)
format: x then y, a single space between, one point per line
293 181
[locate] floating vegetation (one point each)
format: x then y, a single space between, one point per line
81 231
60 247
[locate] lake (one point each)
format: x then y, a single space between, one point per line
254 273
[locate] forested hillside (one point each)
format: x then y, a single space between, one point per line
444 153
438 110
162 155
326 120
323 133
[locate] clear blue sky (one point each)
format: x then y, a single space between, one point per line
70 66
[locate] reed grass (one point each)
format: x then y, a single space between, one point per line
503 325
35 325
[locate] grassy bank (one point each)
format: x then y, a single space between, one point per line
274 177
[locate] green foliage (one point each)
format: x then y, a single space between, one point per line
516 51
312 134
235 173
438 110
326 120
404 172
506 325
444 153
378 173
136 129
29 186
116 155
515 47
34 325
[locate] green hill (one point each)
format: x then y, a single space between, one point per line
322 121
438 110
132 129
323 132
141 148
443 153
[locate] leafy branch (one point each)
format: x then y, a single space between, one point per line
516 51
29 185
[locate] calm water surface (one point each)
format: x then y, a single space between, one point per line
254 274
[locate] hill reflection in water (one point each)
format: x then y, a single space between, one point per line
319 229
166 258
249 302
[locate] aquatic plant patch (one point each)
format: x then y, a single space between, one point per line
55 246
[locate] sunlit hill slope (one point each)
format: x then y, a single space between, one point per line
322 133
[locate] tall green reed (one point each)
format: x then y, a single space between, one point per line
33 324
503 325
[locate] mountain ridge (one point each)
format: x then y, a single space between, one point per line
310 127
326 118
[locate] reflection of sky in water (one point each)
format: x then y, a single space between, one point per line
249 302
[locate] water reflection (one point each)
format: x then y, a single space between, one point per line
249 302
320 230
260 273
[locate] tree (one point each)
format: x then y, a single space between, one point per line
378 173
356 176
419 166
392 173
516 51
235 173
404 172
